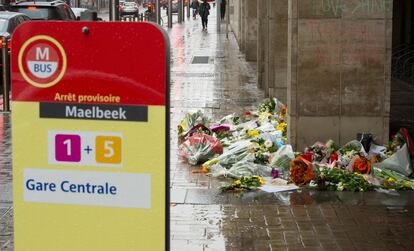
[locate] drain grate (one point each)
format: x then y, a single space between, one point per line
200 60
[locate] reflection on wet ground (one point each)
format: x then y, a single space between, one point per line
6 209
203 218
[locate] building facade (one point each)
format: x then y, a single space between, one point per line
329 61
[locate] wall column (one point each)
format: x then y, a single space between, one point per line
339 64
249 29
278 32
262 37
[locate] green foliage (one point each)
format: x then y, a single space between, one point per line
245 183
336 179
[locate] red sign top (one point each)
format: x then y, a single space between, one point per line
110 63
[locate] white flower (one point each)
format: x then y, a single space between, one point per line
256 146
268 143
340 186
330 143
274 123
250 156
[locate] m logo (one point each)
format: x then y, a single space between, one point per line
42 55
42 61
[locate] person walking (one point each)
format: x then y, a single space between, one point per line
223 9
204 11
195 5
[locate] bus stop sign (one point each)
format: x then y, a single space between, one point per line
90 136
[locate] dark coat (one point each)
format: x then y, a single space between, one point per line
204 9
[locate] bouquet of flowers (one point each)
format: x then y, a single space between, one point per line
189 122
360 164
319 151
272 105
282 158
240 169
301 171
234 153
199 148
262 150
393 180
335 179
404 137
231 119
331 151
245 183
349 151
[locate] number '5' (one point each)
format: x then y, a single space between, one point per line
109 150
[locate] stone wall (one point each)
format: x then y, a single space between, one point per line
244 24
338 69
235 17
278 33
250 29
328 60
262 30
272 47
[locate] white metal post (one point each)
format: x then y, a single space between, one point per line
158 11
169 14
188 9
227 18
180 11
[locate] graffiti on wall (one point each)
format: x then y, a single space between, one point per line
356 7
336 43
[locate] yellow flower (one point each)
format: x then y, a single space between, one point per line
390 179
253 133
183 124
237 182
265 115
261 180
209 163
281 127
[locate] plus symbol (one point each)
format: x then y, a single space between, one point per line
88 149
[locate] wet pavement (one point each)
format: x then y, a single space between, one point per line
6 205
203 218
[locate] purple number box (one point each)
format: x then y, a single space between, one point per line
68 148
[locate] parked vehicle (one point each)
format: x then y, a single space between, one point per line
8 23
129 9
78 12
174 7
54 10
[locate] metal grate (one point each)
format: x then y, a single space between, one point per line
403 63
200 60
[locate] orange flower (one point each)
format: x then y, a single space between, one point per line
301 171
361 165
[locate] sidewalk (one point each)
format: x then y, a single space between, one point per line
6 204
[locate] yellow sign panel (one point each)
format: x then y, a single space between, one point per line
73 220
